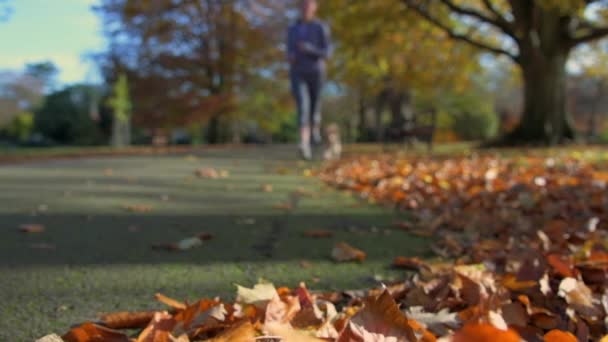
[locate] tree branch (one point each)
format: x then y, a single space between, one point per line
594 34
498 21
457 36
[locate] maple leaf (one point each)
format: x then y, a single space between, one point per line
344 252
379 320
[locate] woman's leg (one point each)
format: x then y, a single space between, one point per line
315 86
301 93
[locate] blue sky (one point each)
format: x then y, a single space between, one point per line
62 31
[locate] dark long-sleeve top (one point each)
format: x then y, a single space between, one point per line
308 45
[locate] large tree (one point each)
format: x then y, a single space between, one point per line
385 55
187 60
538 35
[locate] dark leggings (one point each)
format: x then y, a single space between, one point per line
306 88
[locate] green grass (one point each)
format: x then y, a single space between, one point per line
99 265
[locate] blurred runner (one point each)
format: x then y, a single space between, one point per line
308 47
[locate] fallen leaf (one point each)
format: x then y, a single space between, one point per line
260 294
379 320
343 252
577 295
90 332
267 188
559 336
32 228
282 311
159 329
440 323
243 332
138 208
286 333
412 264
127 320
50 338
318 234
170 302
484 332
183 245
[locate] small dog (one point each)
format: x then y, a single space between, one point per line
333 150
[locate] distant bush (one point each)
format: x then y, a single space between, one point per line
21 127
475 125
473 116
65 118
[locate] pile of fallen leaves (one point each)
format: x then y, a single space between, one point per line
529 236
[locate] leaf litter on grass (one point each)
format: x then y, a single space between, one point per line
528 250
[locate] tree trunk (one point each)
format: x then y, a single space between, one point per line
213 130
544 119
362 125
121 132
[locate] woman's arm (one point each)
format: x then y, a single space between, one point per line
322 51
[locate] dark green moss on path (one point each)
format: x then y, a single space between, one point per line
103 261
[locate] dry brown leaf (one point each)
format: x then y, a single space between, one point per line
32 228
138 208
412 264
343 252
90 332
159 329
287 333
241 332
170 302
282 311
318 234
267 188
127 320
379 320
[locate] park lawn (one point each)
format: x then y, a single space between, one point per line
102 259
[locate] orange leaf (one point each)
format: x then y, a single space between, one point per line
318 234
170 302
31 228
561 265
127 320
484 332
413 264
559 336
90 332
510 282
344 252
